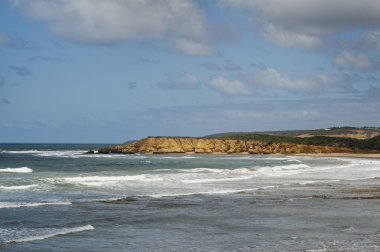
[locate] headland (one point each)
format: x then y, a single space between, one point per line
351 142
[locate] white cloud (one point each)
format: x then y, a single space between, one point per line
228 65
181 80
355 62
229 87
105 22
271 78
372 40
324 16
290 39
298 23
194 48
268 79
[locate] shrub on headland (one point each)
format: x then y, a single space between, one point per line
355 144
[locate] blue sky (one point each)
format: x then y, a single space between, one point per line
112 70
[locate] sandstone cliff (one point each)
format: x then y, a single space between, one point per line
155 145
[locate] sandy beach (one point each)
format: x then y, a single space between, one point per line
343 155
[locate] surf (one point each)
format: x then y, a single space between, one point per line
17 170
28 235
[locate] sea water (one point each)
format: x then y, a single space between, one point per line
55 198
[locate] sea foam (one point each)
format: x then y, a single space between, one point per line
17 170
200 181
21 151
20 187
28 235
101 180
30 204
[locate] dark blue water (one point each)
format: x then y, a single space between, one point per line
55 198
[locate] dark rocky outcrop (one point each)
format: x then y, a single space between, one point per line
126 200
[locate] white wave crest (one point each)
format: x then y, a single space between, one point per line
291 167
23 187
27 235
241 170
201 170
21 151
30 204
199 181
177 157
53 153
283 169
72 154
17 170
101 180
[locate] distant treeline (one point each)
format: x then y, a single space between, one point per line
314 132
355 144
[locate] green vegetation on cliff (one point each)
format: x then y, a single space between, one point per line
354 144
346 132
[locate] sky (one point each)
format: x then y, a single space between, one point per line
106 71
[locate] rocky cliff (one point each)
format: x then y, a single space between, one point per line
158 145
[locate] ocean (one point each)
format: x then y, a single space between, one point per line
55 198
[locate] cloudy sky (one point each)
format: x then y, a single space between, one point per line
112 70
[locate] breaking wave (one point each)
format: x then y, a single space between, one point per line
17 170
101 180
21 187
28 235
30 204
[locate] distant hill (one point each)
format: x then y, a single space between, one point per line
341 132
364 139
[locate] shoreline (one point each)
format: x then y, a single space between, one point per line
332 155
340 155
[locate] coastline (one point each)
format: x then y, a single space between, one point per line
332 155
341 155
240 190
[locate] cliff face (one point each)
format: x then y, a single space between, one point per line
155 145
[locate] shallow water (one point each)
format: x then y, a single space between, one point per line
54 198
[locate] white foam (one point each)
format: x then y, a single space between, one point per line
199 181
30 204
71 154
293 160
23 187
21 152
199 193
104 156
349 230
57 153
242 170
283 169
101 180
179 157
41 234
293 167
199 170
17 170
